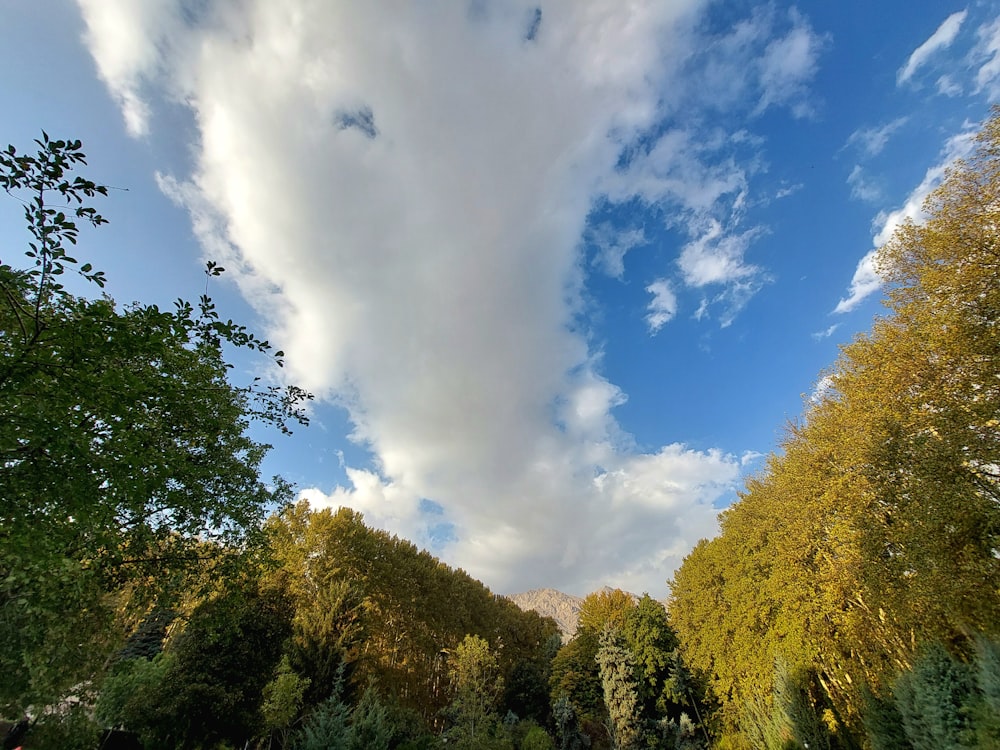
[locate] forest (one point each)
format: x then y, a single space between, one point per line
157 592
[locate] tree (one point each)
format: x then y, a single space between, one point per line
476 689
122 448
219 667
326 727
576 677
621 694
371 727
607 607
571 737
874 532
931 699
283 700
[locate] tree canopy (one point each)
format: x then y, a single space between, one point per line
875 530
124 457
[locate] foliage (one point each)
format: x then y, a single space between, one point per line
621 695
930 699
147 640
208 685
224 658
576 677
874 531
130 697
536 738
884 724
527 691
326 728
476 686
326 630
984 709
391 611
605 608
371 726
69 727
283 699
568 730
122 448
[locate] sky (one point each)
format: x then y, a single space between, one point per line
559 273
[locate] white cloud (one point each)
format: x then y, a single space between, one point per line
612 245
987 50
823 388
761 62
663 307
866 281
788 190
126 40
947 86
786 67
940 39
873 140
861 187
716 257
401 191
827 333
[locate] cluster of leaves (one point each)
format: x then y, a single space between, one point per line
876 530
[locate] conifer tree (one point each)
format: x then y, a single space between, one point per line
931 699
621 694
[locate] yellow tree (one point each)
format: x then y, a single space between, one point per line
877 527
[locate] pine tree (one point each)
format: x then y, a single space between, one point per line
621 695
930 698
326 728
568 725
370 725
884 724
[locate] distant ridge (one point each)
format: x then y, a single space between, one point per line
563 608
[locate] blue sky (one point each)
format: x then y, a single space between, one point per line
558 272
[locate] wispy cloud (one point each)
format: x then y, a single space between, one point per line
866 281
862 188
826 333
786 67
947 86
987 56
612 245
940 39
871 141
766 60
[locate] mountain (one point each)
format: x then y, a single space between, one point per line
562 608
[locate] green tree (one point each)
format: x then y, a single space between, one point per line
326 727
931 699
371 726
576 677
122 448
283 699
621 694
985 709
222 662
571 736
476 685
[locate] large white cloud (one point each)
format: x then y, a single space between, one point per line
402 189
